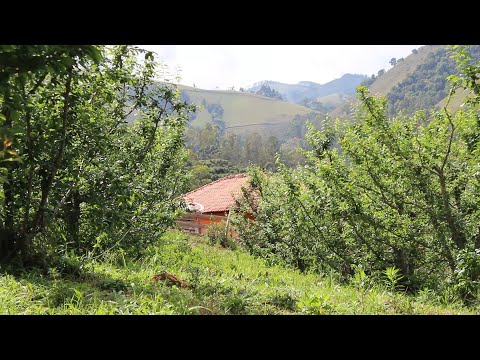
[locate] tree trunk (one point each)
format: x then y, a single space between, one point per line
7 244
401 262
7 233
48 175
72 218
477 240
457 237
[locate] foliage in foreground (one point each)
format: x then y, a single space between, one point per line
74 174
223 282
400 192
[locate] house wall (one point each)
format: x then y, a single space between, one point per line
208 219
197 223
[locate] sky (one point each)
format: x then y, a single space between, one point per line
223 66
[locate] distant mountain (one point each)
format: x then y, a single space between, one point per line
297 93
242 112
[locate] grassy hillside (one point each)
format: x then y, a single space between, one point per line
335 100
384 84
245 112
456 100
220 281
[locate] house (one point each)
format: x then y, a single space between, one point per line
211 203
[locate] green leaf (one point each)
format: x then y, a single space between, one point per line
11 159
149 56
15 115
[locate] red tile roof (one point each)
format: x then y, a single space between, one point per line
218 195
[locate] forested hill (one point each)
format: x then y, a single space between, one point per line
383 84
420 80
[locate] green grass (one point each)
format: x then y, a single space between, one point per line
223 281
245 112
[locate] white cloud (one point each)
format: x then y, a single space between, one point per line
223 66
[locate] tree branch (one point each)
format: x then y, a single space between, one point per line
37 84
151 140
450 140
29 146
39 218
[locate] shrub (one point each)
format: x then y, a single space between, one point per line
217 235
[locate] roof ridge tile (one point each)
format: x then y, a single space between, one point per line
217 197
242 175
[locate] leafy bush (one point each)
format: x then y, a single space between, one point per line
217 235
392 279
87 180
287 300
314 304
398 193
467 275
67 266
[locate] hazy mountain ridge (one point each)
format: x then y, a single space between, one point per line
296 93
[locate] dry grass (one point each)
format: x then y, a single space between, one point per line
401 71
